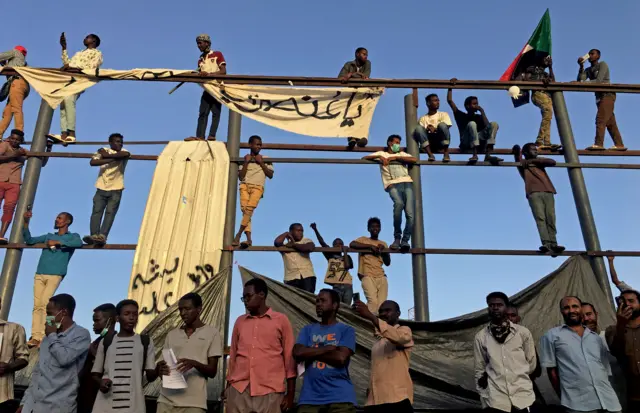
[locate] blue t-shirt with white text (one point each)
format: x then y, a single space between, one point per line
324 384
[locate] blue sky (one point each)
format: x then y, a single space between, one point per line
464 207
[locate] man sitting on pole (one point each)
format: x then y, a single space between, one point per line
360 68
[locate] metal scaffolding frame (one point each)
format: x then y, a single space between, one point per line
418 251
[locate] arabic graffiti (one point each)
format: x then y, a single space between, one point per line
206 271
153 269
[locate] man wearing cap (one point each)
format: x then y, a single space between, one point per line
211 62
18 89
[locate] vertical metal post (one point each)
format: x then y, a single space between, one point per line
419 261
579 188
30 180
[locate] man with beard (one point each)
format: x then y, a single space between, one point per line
624 338
505 357
390 385
576 363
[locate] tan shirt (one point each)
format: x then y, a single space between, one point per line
14 347
390 380
11 171
336 272
111 175
205 342
370 265
508 366
298 265
255 175
435 119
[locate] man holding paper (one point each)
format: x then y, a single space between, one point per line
193 351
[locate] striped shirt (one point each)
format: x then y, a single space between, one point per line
123 366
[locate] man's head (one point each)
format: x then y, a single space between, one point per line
63 220
512 314
374 226
127 315
362 55
204 42
255 144
389 312
254 294
631 298
22 50
16 138
590 316
190 307
433 101
116 141
497 303
104 317
327 303
61 308
471 104
297 231
91 41
338 243
393 143
530 151
571 308
594 55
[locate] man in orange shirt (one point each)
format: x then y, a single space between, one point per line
260 358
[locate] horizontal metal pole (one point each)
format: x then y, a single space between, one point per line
388 83
431 251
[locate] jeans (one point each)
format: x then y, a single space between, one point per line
544 212
306 284
345 291
104 203
438 140
403 200
471 138
208 104
68 113
606 119
10 193
543 101
403 406
18 92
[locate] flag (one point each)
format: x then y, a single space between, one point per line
537 48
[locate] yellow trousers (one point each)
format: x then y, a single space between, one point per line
375 290
44 287
250 196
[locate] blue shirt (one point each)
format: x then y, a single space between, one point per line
324 384
582 364
54 262
54 380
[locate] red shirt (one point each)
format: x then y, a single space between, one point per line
261 353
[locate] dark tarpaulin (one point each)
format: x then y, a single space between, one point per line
442 360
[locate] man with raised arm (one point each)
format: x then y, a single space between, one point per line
339 264
475 129
390 386
370 261
598 72
109 186
89 59
399 185
260 357
540 193
253 176
432 132
620 285
326 348
52 267
360 68
211 62
298 268
18 89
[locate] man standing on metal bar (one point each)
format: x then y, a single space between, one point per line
399 185
605 102
339 264
360 68
326 349
253 175
89 59
109 186
52 267
18 89
475 129
576 362
540 193
505 357
432 132
298 268
370 261
620 285
211 62
390 386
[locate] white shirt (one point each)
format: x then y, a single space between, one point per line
111 175
435 119
393 174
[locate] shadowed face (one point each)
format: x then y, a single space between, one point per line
590 317
128 317
189 313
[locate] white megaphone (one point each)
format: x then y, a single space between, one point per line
514 92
